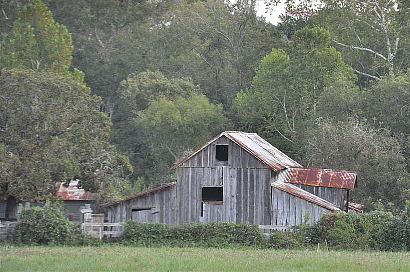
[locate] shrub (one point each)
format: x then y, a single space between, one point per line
45 225
287 240
352 231
397 236
207 235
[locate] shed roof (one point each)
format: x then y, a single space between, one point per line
73 193
257 147
144 193
302 194
320 177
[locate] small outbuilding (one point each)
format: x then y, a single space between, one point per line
240 178
74 199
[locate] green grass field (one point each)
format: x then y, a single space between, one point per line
118 258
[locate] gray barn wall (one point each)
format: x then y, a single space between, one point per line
288 210
333 195
245 181
162 206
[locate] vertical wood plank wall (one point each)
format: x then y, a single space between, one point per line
333 195
288 210
245 181
162 203
247 194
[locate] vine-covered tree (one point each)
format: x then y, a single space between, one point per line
51 130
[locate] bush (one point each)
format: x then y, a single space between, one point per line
206 235
397 236
45 225
287 240
353 231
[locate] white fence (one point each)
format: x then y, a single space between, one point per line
103 230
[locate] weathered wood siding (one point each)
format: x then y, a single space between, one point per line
238 157
288 210
245 181
333 195
161 204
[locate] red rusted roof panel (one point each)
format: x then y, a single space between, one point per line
302 194
72 192
320 177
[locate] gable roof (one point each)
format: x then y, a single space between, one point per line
319 177
302 194
257 147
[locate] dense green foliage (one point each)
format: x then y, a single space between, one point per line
37 42
166 118
329 86
52 130
374 230
204 235
45 225
377 230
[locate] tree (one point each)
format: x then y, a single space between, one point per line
386 104
112 38
218 45
371 34
288 85
38 42
52 129
373 154
158 118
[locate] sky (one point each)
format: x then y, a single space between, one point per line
270 16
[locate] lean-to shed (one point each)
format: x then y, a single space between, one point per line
241 178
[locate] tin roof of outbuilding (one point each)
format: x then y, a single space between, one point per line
319 177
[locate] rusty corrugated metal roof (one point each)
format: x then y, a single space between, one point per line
257 147
319 177
302 194
72 192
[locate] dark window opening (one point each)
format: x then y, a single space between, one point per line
212 194
222 152
140 209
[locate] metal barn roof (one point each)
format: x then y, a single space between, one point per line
257 147
302 194
319 177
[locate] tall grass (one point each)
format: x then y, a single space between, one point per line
119 258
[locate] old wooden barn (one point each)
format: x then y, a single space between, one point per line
239 177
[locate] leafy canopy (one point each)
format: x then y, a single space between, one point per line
53 130
36 41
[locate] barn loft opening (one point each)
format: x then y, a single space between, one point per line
212 194
222 152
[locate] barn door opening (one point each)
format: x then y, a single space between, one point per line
212 198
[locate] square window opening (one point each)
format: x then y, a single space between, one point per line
221 152
212 194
